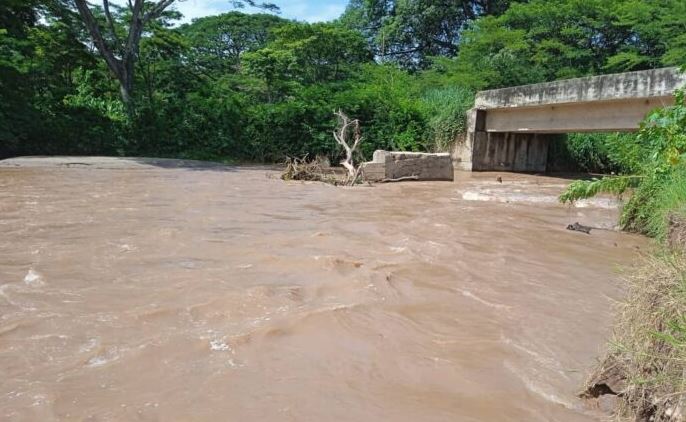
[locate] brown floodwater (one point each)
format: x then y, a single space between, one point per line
166 291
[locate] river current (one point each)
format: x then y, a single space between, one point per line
161 290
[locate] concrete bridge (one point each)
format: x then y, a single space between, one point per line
510 129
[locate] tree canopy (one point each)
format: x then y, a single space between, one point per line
258 87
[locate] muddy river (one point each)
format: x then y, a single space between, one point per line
168 291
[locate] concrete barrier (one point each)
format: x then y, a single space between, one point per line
398 164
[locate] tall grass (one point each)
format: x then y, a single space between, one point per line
446 111
598 152
648 348
670 198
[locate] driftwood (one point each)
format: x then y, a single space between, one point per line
399 179
302 169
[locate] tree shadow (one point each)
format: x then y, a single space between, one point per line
195 165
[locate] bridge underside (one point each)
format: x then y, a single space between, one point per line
512 129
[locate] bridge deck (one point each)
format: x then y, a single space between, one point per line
510 128
656 83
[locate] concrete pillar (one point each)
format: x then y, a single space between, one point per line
476 126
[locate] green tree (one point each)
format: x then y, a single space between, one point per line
217 42
545 40
408 32
319 52
121 52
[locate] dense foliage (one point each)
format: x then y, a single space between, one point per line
257 87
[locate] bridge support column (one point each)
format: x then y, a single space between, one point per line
501 151
476 126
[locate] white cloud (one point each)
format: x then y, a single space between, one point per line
302 10
192 9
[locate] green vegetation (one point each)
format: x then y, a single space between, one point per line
598 152
646 360
446 108
654 164
256 87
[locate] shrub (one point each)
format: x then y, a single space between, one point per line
446 110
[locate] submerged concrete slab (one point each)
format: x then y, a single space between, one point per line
399 164
97 162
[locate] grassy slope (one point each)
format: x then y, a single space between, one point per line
648 350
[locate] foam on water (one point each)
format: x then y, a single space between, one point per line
33 279
219 346
486 195
471 295
109 355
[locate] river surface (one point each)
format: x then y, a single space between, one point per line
167 291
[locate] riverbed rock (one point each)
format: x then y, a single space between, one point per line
393 165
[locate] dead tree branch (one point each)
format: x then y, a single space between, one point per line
347 133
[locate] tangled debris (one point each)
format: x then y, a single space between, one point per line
302 169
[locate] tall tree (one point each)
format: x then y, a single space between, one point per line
302 54
121 54
545 40
216 42
409 32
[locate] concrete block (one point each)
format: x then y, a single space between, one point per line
374 171
397 164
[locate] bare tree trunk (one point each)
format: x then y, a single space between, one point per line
121 65
346 130
122 54
126 91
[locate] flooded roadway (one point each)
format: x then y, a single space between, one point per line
163 292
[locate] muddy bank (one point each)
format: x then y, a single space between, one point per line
130 289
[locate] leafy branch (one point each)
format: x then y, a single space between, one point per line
582 189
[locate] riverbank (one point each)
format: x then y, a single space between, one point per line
643 375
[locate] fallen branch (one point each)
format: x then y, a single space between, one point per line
399 179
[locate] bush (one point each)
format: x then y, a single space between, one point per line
446 111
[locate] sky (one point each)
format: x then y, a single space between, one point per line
302 10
